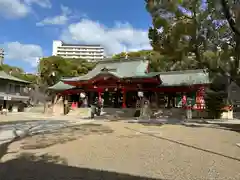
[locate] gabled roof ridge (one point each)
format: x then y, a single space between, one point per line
61 85
4 75
106 61
183 72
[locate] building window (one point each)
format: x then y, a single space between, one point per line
17 88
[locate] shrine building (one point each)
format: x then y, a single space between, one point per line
118 82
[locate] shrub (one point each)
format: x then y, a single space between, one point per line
215 102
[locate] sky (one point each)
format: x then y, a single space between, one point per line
28 27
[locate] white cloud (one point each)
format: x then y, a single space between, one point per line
61 19
13 8
56 20
112 39
20 8
23 52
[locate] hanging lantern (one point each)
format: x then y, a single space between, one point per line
82 95
140 94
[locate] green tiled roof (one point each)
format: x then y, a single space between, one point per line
184 78
146 75
61 86
124 68
6 76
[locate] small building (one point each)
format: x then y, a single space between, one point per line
60 87
13 92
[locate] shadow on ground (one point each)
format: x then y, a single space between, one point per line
59 136
29 166
198 124
19 124
228 127
63 135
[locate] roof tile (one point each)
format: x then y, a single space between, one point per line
187 77
6 76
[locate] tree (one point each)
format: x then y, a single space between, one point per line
158 61
207 31
194 27
53 68
18 72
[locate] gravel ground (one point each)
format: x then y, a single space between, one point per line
171 152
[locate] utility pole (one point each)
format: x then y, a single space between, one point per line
1 56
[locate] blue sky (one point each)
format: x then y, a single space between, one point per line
28 27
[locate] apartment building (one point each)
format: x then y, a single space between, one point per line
1 56
88 52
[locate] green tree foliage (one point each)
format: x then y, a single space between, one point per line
53 68
136 54
184 28
18 72
207 32
7 68
158 62
215 103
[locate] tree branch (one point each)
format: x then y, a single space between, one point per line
231 22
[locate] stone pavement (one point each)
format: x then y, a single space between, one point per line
33 123
233 121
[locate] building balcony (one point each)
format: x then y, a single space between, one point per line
79 50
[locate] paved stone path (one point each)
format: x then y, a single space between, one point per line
33 123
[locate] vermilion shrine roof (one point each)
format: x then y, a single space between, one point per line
137 68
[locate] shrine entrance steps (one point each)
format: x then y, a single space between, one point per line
123 113
172 113
106 114
128 113
117 113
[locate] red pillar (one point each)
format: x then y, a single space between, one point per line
99 90
124 98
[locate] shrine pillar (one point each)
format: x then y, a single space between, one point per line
124 98
99 90
91 99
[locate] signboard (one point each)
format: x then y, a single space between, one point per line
5 98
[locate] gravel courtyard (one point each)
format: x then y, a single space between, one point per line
118 150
